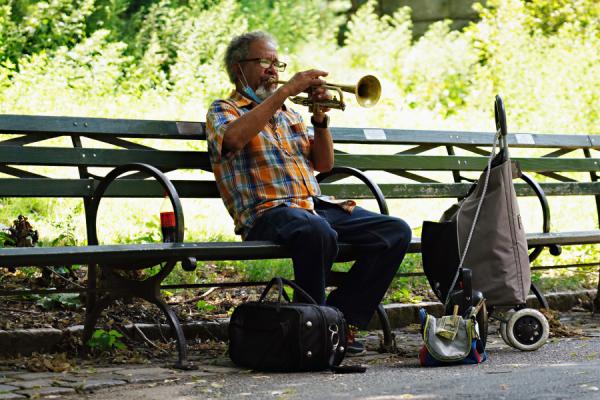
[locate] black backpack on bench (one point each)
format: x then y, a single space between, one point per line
288 337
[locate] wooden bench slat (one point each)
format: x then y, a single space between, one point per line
40 187
443 138
101 126
121 188
173 159
94 157
369 162
196 130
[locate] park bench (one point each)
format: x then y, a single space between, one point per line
570 163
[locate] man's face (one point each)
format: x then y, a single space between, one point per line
257 76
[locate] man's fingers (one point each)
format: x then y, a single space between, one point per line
315 73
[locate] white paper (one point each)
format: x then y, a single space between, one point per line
524 138
374 134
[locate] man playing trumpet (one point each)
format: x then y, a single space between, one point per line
264 160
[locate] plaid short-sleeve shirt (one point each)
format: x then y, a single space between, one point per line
273 169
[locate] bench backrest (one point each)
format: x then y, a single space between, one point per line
413 163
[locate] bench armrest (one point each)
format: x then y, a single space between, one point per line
554 249
168 187
373 187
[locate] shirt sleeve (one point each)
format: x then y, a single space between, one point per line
219 115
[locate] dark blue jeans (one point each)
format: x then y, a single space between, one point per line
312 241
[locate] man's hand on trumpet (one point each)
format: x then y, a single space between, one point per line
302 81
309 81
319 94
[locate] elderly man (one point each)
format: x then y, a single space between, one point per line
264 162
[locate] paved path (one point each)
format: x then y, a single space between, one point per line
563 368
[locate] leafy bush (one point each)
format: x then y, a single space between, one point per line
80 76
32 26
104 341
551 15
438 71
65 300
291 22
379 43
548 82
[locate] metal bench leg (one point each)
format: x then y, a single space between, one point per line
596 303
389 343
538 294
91 316
182 363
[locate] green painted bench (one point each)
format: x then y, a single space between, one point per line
422 164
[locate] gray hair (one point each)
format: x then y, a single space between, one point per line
240 46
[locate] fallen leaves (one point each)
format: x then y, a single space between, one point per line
557 329
48 362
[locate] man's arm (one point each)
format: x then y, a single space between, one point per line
239 132
321 152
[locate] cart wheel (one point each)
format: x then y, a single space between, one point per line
527 329
482 322
503 334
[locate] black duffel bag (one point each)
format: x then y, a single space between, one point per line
288 337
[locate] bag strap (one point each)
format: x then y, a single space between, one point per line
479 204
280 282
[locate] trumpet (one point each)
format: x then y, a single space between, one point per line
367 91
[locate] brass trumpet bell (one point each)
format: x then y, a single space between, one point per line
367 92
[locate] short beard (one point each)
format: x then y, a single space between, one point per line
262 92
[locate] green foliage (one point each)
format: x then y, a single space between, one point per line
198 72
379 43
89 70
111 15
264 270
64 300
6 240
403 295
66 232
550 16
439 70
203 305
104 341
291 22
28 27
543 78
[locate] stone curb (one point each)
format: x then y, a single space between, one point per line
27 341
405 314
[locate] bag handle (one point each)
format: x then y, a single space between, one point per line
281 293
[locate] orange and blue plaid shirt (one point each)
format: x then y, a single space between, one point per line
273 169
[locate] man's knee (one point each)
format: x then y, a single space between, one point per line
318 230
310 231
398 233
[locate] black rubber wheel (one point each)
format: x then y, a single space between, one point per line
482 322
527 329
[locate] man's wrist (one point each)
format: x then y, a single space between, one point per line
323 123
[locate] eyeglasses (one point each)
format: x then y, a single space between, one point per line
266 63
